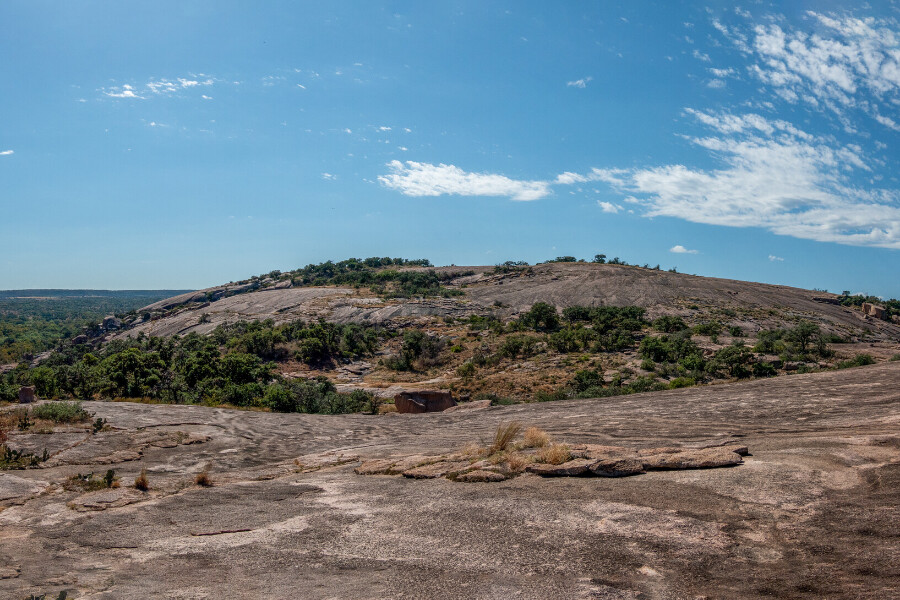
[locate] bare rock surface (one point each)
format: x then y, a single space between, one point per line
811 512
561 284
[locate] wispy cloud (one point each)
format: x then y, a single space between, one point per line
849 63
580 83
7 152
158 87
774 258
424 179
773 176
679 249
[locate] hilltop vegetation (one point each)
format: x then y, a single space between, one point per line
483 350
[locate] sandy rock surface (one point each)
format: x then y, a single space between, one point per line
810 512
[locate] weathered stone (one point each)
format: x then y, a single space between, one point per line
423 401
381 466
103 499
706 458
476 405
617 467
480 476
10 572
26 394
599 451
572 468
80 339
871 310
312 462
438 469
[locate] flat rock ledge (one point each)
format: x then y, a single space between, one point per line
586 460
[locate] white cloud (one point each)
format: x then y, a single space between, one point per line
701 56
329 176
774 258
205 97
772 176
679 249
847 63
7 152
424 179
384 128
580 83
716 84
609 207
125 91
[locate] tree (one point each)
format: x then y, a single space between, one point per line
599 259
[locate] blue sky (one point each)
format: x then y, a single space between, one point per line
185 144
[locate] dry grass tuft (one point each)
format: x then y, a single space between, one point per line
506 433
473 450
554 454
516 463
535 438
202 478
141 482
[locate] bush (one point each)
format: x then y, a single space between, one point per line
859 360
586 379
466 370
541 317
709 328
61 412
682 382
669 324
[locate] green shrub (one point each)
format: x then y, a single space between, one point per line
735 331
764 369
587 378
648 365
682 382
669 324
709 328
857 361
541 317
61 412
466 370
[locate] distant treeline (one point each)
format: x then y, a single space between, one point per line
57 293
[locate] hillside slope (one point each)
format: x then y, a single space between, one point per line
752 306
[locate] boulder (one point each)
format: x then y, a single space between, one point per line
423 401
111 323
706 458
871 310
26 394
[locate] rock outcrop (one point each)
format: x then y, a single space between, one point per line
871 310
423 401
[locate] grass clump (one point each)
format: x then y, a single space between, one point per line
535 438
203 479
141 482
92 482
61 412
504 436
554 454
